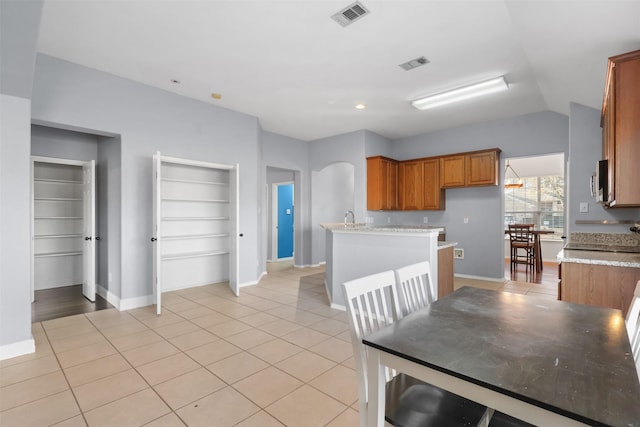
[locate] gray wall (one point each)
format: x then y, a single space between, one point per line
585 149
109 218
290 154
15 227
483 236
63 144
149 120
276 176
19 24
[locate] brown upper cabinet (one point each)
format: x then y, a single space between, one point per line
382 183
621 129
477 168
419 185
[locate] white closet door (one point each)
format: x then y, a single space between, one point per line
89 220
157 265
234 229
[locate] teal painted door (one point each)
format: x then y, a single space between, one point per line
285 221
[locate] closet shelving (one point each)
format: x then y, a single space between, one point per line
58 224
194 225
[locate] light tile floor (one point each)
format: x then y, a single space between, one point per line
277 355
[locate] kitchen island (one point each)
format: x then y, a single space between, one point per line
357 250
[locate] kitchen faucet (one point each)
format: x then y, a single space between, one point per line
353 217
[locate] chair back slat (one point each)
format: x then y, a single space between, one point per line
372 303
415 286
633 327
521 232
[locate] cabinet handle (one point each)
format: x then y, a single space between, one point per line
97 237
153 239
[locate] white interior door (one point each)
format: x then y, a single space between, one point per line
89 221
157 266
234 232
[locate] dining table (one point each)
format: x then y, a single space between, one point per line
546 362
537 246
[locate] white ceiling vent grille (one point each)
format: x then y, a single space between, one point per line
414 63
350 14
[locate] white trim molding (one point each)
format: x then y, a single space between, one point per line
19 348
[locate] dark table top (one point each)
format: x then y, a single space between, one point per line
568 358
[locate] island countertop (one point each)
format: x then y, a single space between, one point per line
340 227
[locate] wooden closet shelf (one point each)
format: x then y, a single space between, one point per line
185 255
193 218
193 236
195 181
56 254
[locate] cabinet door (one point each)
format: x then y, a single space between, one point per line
391 188
432 195
452 171
626 191
411 183
482 168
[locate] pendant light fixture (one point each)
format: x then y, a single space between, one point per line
512 182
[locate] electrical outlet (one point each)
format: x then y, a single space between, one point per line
458 253
584 207
466 220
388 220
425 219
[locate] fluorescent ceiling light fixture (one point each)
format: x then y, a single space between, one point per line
461 93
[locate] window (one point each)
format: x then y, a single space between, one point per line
539 201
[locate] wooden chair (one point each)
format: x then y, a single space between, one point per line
372 303
633 327
415 286
522 239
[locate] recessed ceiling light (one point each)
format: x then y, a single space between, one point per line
216 95
360 107
175 81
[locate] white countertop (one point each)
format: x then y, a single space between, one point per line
616 259
444 245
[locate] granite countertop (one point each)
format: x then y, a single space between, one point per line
608 249
616 259
369 228
444 245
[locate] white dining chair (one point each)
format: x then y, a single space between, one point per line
633 327
372 303
415 286
416 291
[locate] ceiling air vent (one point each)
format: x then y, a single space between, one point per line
350 14
414 63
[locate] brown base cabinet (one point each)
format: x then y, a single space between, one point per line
599 285
445 271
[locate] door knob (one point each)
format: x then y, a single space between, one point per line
153 239
87 238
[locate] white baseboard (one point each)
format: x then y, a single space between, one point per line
111 298
338 307
488 279
137 302
19 348
308 265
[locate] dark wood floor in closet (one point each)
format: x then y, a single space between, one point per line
61 302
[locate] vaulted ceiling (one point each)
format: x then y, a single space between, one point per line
301 73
